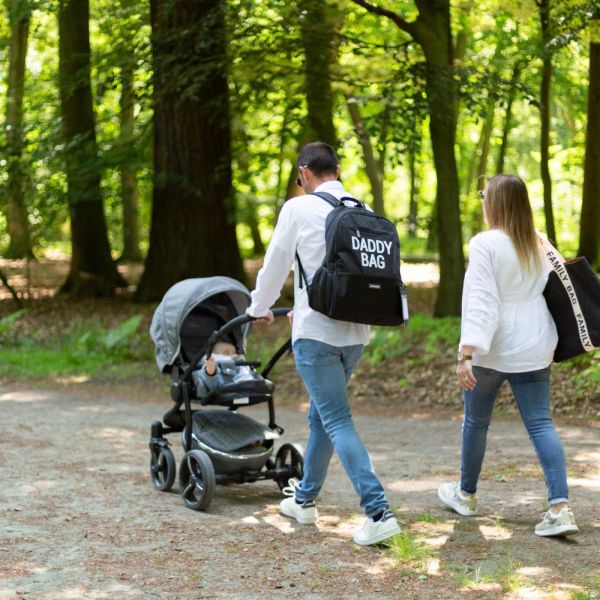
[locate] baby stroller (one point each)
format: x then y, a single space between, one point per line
221 446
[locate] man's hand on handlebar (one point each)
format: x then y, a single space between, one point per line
267 318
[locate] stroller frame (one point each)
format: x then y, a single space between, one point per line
196 468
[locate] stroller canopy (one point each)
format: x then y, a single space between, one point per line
179 301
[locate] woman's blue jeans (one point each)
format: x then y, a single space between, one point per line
325 371
532 393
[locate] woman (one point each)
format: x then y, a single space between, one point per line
507 333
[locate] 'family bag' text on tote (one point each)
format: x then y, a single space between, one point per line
573 298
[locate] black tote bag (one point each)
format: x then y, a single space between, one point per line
572 294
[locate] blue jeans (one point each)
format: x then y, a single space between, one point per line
325 371
532 393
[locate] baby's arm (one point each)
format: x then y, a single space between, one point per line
210 366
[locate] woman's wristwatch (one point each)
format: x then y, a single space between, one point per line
461 356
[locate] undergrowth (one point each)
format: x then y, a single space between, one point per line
425 335
85 347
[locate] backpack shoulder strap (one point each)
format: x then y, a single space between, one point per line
329 198
302 274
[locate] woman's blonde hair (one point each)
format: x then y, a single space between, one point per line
506 205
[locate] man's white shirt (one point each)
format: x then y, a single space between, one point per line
301 228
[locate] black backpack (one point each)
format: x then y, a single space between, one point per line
359 280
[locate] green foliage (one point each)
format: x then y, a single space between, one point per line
586 368
117 339
431 336
86 348
584 595
404 549
115 342
375 63
7 323
505 573
465 576
263 349
426 518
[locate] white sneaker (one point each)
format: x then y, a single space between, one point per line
305 513
451 495
560 523
373 532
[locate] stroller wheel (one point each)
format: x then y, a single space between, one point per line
162 467
291 458
196 480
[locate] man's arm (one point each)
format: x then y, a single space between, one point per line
276 266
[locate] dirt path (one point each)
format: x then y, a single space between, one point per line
79 518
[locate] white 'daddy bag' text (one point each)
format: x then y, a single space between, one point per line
372 252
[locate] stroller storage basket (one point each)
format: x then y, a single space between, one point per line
232 441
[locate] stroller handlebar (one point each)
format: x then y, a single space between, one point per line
230 326
241 320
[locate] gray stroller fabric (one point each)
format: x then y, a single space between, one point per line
178 302
229 431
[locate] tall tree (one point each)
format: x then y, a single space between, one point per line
319 23
193 213
589 224
544 9
508 120
372 165
432 31
16 210
92 272
129 187
414 147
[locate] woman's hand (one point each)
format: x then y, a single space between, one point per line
464 375
290 317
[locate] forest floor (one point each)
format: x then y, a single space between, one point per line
80 519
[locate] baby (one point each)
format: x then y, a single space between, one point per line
218 369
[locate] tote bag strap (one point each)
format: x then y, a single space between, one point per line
550 252
557 262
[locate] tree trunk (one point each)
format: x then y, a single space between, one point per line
507 126
258 247
589 225
92 272
432 31
129 187
318 37
473 163
545 118
487 128
16 211
413 205
441 98
371 165
193 213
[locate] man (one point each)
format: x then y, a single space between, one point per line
326 351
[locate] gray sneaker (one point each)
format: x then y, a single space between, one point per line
451 495
557 524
